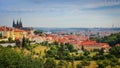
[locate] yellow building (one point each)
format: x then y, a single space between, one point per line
14 33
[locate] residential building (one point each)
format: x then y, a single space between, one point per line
14 33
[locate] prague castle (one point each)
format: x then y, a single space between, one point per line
17 24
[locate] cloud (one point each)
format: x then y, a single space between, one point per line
105 3
61 13
56 6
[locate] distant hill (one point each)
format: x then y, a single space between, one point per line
76 29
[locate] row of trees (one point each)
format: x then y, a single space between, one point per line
12 59
105 59
61 51
9 58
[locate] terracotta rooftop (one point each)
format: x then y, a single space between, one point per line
5 28
18 30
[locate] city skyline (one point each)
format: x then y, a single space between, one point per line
61 13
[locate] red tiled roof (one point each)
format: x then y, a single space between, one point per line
18 30
5 28
86 43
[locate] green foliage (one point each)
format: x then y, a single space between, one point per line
102 64
28 62
79 65
115 51
9 46
99 57
85 63
101 51
109 60
60 52
86 53
98 39
63 52
1 46
55 43
0 35
52 52
10 40
45 43
26 43
82 48
114 62
12 59
50 63
38 32
9 58
61 64
112 40
70 47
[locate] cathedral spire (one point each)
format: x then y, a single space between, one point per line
20 23
17 25
13 23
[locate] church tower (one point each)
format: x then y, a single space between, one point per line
20 24
17 24
14 25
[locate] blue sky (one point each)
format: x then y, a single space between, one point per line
61 13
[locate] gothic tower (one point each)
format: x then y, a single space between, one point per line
14 25
20 24
17 25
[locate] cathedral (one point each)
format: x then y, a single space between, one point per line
17 24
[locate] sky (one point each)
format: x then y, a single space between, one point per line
61 13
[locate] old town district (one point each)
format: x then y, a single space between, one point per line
17 32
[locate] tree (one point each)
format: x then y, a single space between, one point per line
70 47
103 63
24 42
101 51
62 64
12 59
100 64
9 58
10 40
50 63
55 43
18 42
52 52
63 52
0 35
82 48
38 32
85 63
86 53
45 43
114 62
115 51
79 65
112 39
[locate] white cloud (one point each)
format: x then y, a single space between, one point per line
101 4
